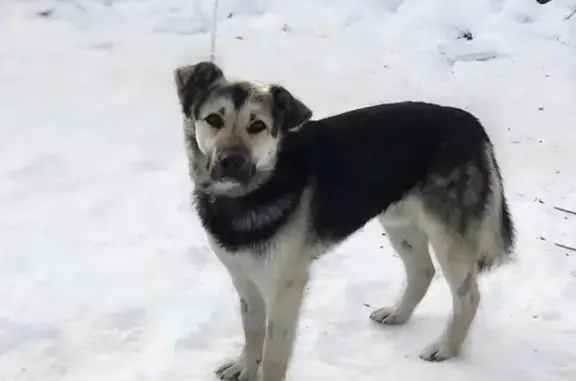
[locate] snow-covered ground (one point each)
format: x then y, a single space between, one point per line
104 271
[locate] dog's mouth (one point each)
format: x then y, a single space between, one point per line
234 186
236 177
227 188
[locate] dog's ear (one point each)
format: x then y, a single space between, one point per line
290 112
192 81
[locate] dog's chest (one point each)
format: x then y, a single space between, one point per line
266 262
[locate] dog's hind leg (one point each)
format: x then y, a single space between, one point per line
411 244
458 264
253 311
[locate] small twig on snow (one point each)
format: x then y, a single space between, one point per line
46 13
565 247
76 3
565 210
570 15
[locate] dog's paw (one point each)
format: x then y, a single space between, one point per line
388 316
439 351
235 371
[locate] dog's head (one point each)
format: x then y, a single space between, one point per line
233 129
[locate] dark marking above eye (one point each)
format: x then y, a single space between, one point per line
240 93
252 117
237 92
222 111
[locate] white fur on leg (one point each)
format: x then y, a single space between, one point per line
459 268
283 313
411 244
253 312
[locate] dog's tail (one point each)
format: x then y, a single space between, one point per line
497 235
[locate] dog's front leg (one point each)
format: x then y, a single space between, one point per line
253 311
283 312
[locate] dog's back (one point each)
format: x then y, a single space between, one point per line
366 160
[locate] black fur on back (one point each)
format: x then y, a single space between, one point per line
356 164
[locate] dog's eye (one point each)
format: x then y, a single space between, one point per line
256 127
214 120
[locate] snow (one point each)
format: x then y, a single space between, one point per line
104 269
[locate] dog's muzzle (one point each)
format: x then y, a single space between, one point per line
233 165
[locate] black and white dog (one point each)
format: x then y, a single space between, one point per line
275 189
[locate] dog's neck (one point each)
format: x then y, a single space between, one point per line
243 221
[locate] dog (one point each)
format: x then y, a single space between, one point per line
275 190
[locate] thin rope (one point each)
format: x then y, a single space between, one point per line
214 30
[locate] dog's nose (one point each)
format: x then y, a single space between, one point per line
233 162
235 166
